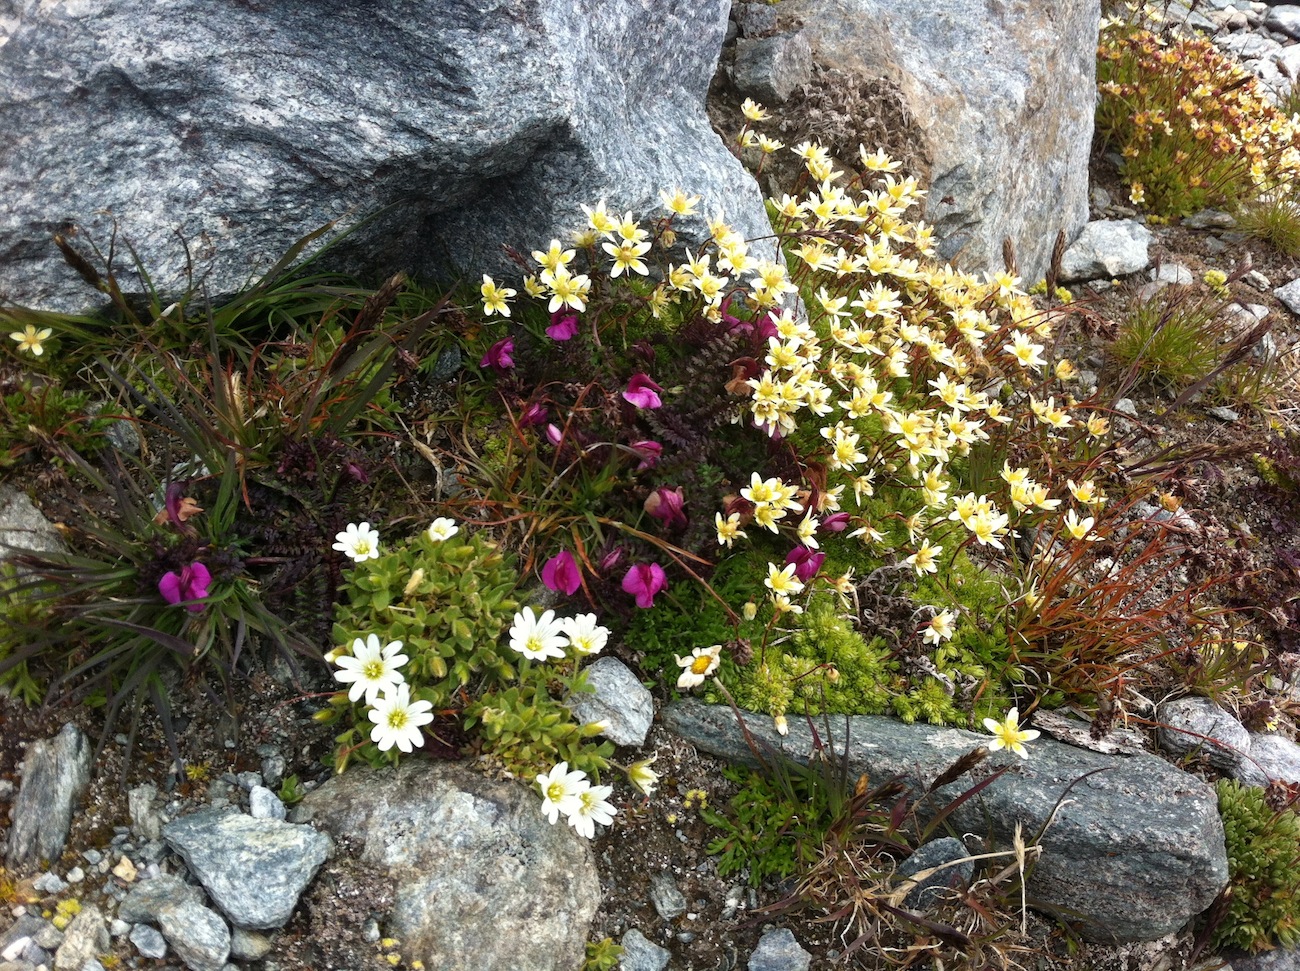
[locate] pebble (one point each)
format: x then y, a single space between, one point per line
1210 219
1195 725
665 896
642 954
779 951
92 857
76 875
49 883
1223 414
148 941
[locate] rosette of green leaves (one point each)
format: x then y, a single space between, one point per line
449 603
1263 880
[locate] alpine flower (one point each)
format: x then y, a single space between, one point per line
585 635
31 340
563 326
1008 734
537 638
701 663
495 297
442 529
562 573
191 583
360 543
560 791
644 581
642 392
498 355
370 668
649 452
666 505
398 719
592 807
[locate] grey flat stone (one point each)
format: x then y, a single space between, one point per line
1289 294
929 890
1137 849
1271 757
640 954
148 941
669 902
22 527
619 699
769 69
779 951
1199 725
56 772
198 935
148 897
1106 248
253 869
84 937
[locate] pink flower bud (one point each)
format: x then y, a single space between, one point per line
498 355
649 452
836 522
561 573
563 325
534 414
642 392
666 505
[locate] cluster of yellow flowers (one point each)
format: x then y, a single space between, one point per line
1193 127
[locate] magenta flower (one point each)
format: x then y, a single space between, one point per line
649 452
642 392
836 522
498 355
643 581
191 583
666 505
611 559
561 573
806 562
563 326
534 414
554 435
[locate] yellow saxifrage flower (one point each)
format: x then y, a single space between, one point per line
1009 735
31 340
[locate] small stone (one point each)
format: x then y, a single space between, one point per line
1172 273
144 821
199 937
48 883
1126 406
1210 219
370 931
76 875
125 870
56 772
148 897
149 942
930 890
92 857
1289 294
779 951
1258 280
92 965
1106 249
1199 725
1271 757
1223 414
771 68
119 927
249 780
1285 19
85 937
1100 199
618 699
640 954
265 804
273 769
754 19
249 945
665 896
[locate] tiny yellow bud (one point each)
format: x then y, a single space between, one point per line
413 584
749 611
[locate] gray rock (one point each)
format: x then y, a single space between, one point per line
22 932
56 772
49 883
83 938
465 900
1285 19
1289 294
1099 198
92 965
22 527
1248 46
253 869
619 699
148 897
144 821
1210 219
249 945
1172 273
76 875
273 769
754 19
248 781
769 69
1223 414
640 954
778 951
1105 249
1136 851
1271 757
1281 959
264 804
1126 406
930 890
669 902
1288 61
1199 725
149 942
1002 97
476 124
199 937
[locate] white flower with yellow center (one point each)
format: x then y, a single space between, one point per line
398 720
781 580
939 629
585 635
561 790
442 529
358 542
370 668
728 529
495 297
1079 529
923 560
678 202
701 663
537 638
591 808
1009 735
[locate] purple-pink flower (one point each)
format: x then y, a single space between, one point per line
498 355
534 414
191 583
562 573
553 434
806 562
563 325
836 522
643 581
642 392
649 452
666 505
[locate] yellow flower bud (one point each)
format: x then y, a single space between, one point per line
413 584
750 610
